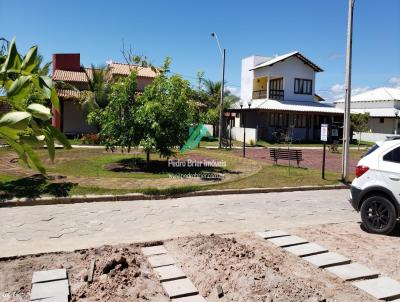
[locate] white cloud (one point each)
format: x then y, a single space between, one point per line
395 82
336 92
234 90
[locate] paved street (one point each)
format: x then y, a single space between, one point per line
27 230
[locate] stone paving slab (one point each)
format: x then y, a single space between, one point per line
154 250
353 271
196 298
382 288
52 289
169 273
287 241
306 249
161 260
54 299
50 275
272 234
327 259
179 288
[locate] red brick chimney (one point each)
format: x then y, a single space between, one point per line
67 61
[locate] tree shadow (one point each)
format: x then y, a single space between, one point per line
139 165
32 187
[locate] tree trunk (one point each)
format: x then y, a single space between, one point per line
148 158
359 141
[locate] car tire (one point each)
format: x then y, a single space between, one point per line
378 215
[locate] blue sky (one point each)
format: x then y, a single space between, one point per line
181 29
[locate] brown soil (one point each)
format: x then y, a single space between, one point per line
245 266
251 269
122 274
375 251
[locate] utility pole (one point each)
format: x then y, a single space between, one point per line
221 112
347 121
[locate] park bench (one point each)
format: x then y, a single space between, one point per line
286 154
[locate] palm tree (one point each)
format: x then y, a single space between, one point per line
99 88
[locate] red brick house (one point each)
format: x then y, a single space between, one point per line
71 119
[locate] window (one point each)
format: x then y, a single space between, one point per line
276 89
302 86
393 156
381 120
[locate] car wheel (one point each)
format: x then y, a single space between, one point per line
378 215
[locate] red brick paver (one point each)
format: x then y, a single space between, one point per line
312 158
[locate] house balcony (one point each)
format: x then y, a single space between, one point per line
274 94
259 94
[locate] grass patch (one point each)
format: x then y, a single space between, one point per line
278 176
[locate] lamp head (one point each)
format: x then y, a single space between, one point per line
213 34
396 112
249 102
241 103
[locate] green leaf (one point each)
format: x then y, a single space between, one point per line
9 132
33 159
60 137
20 89
54 99
30 61
39 111
49 142
13 60
16 120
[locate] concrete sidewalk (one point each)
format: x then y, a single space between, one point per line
38 229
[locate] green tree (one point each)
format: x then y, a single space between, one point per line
359 122
28 124
99 88
164 115
116 119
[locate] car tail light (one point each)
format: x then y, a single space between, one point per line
360 170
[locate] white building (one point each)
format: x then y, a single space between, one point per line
382 104
282 94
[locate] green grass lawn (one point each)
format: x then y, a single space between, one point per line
278 176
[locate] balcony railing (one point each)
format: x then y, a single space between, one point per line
276 94
259 94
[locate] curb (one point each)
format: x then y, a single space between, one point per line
18 202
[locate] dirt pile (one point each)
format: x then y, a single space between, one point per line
248 270
121 274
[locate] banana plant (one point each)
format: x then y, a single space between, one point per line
28 126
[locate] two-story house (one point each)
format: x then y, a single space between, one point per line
281 91
71 119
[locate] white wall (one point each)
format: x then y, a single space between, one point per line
289 69
251 134
371 137
368 105
247 76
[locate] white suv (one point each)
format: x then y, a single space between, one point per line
375 191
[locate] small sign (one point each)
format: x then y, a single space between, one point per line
324 132
335 132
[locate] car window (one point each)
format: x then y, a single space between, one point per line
393 156
372 149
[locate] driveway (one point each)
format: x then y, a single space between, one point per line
38 229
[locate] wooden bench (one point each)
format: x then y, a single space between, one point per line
286 154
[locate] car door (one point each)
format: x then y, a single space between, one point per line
389 167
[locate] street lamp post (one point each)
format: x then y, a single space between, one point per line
244 124
396 124
221 113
